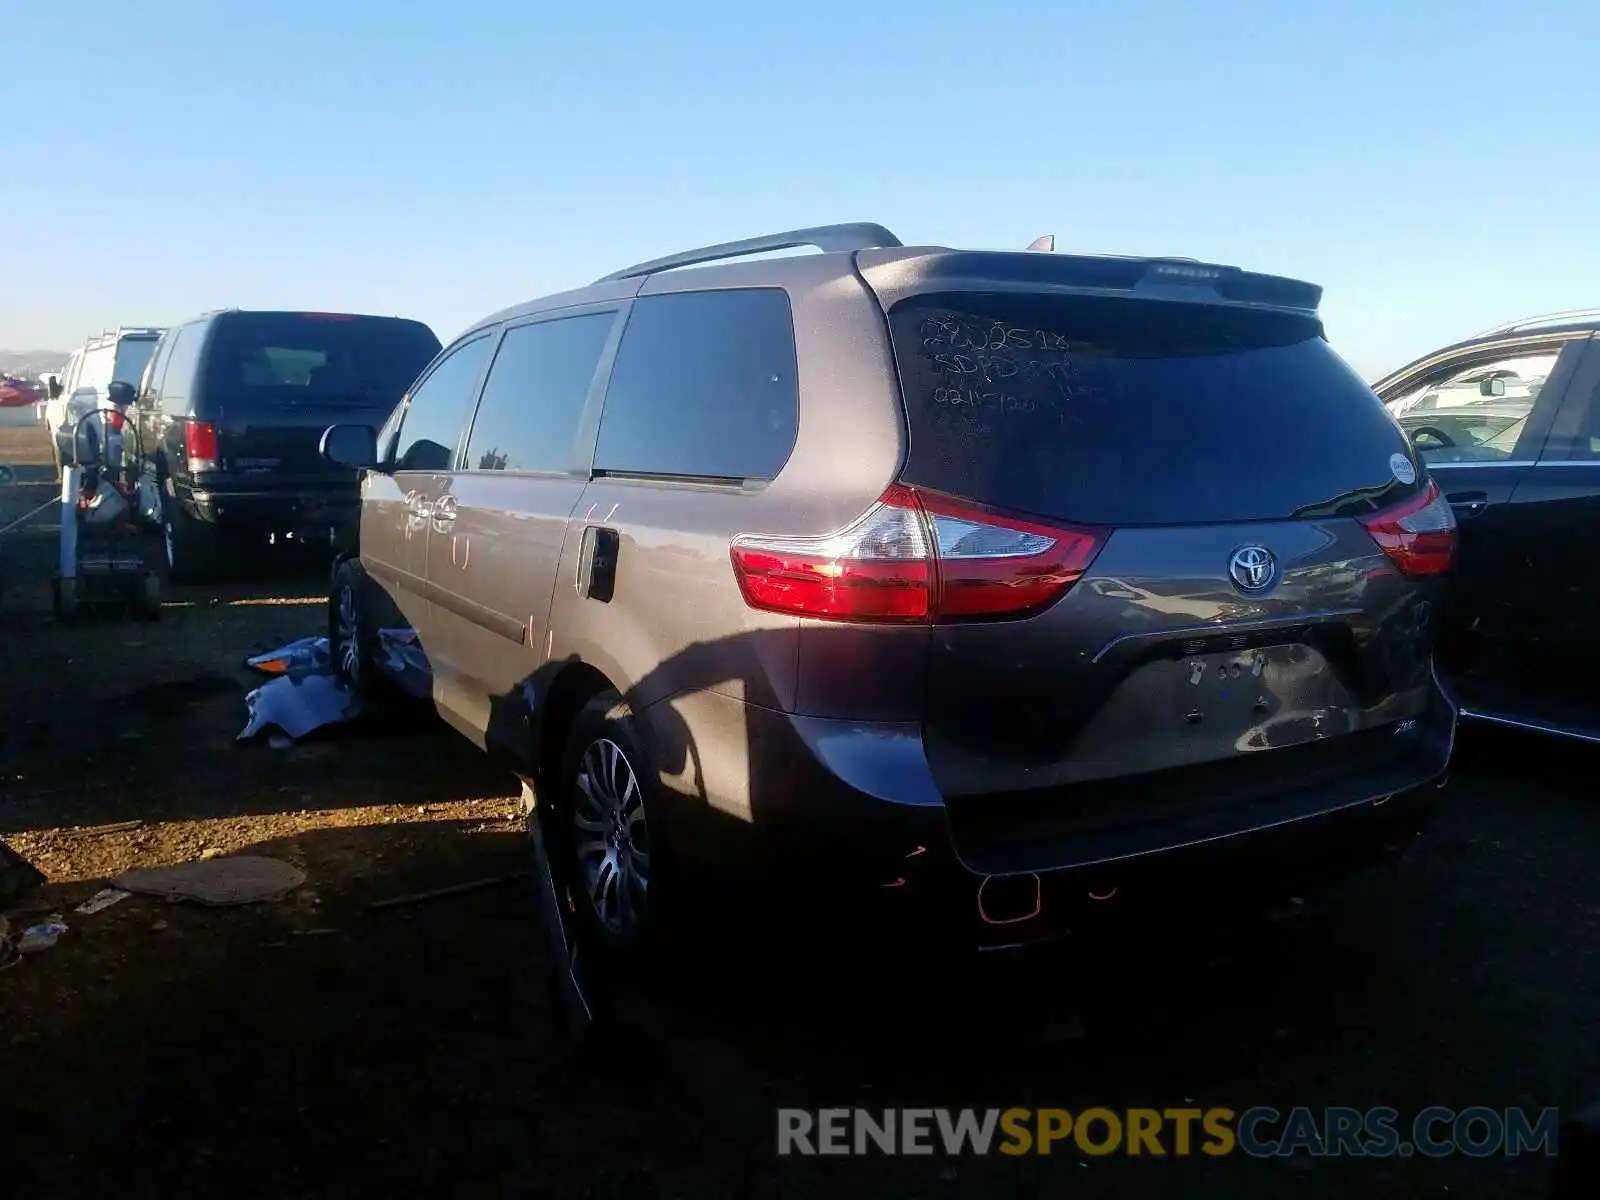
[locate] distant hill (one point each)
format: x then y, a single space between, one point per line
31 363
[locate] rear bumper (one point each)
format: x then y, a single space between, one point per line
320 512
854 807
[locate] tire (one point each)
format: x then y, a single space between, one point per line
352 639
194 548
616 855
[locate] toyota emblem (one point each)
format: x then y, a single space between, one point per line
1252 568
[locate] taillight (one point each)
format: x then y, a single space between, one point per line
200 445
916 557
1418 535
114 419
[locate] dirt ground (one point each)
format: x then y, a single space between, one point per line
316 1046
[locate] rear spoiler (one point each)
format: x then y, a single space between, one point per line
897 273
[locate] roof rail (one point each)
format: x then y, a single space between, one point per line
857 236
1544 320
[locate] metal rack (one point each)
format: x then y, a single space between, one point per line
856 236
1542 321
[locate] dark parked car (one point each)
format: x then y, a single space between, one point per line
1509 424
1036 584
230 411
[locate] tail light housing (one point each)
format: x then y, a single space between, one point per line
114 419
200 445
1418 534
917 557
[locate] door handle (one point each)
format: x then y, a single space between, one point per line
1468 504
597 569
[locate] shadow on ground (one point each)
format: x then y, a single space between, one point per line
112 717
317 1047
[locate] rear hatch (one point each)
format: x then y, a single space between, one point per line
1217 617
274 381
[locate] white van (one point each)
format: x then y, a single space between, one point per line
117 355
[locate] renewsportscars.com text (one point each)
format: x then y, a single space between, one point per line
1259 1132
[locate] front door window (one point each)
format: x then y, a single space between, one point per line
1475 413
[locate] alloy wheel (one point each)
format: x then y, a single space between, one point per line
349 635
613 838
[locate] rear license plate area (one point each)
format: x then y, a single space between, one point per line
1222 688
1264 698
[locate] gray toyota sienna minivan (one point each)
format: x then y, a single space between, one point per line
1035 584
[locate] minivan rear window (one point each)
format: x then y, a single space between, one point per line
325 359
1112 411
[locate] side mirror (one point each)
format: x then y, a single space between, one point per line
55 388
120 394
1493 386
354 447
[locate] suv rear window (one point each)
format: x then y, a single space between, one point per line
1110 411
332 359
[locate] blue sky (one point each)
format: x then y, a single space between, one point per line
1434 165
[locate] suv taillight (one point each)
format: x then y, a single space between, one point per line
114 419
916 557
1418 535
200 445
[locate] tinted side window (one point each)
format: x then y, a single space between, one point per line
533 398
704 385
177 385
438 408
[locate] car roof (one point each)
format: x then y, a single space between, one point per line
1557 324
306 312
893 268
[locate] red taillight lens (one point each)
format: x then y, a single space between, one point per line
114 419
993 565
916 557
1418 535
200 442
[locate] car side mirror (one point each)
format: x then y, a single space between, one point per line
354 447
120 394
55 389
1492 387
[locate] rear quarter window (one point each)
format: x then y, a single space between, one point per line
704 386
1113 411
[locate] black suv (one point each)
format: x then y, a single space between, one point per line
230 412
1509 424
